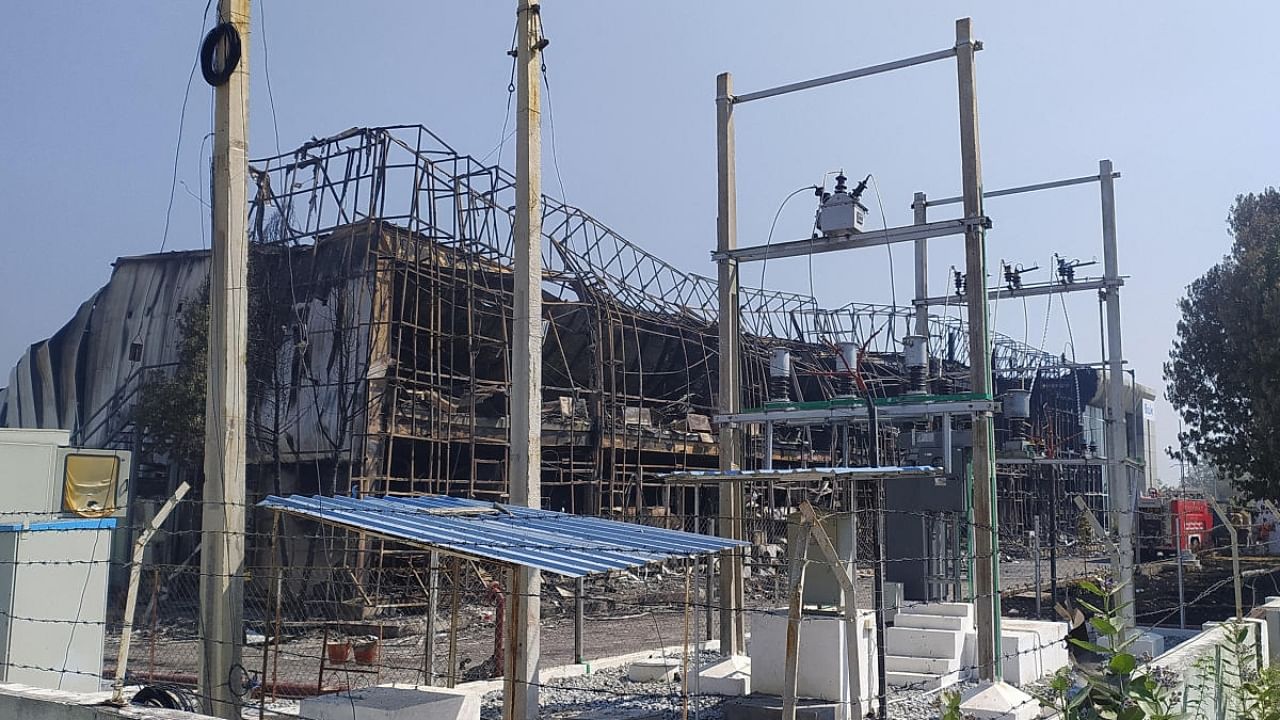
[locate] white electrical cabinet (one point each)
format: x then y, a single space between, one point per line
53 602
58 510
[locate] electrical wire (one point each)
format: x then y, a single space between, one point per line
764 264
888 246
266 72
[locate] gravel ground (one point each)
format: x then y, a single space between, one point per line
609 694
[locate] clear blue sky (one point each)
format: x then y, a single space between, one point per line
1180 95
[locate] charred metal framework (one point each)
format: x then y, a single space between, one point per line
381 266
629 375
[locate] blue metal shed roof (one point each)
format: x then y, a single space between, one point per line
568 545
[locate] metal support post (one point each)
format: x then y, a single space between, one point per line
579 602
921 207
521 686
1035 536
1053 535
873 459
732 641
1119 478
1182 600
223 519
768 446
799 556
433 603
1237 578
986 549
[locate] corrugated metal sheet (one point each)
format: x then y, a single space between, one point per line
560 543
800 474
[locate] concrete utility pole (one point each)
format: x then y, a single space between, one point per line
222 524
520 697
732 640
1119 479
986 546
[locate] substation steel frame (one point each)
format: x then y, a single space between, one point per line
973 225
1119 470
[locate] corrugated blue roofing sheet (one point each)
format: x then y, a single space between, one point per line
568 545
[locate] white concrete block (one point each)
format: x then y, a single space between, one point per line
823 670
944 608
1148 644
392 703
907 663
924 643
909 619
1271 616
998 701
731 676
654 670
969 655
1050 641
1019 657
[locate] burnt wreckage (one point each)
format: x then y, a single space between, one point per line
382 293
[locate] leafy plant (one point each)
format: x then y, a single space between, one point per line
1116 688
950 706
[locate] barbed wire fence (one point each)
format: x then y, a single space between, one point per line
328 610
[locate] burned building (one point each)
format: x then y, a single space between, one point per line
381 300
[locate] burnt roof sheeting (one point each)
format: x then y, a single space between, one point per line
560 543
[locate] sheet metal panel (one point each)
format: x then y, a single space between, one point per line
800 474
564 544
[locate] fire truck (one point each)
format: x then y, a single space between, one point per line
1168 524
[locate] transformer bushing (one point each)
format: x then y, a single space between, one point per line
915 357
780 375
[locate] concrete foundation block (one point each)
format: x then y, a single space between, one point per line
1050 641
1020 657
911 664
999 701
731 676
392 703
925 621
925 643
1148 644
964 610
654 670
823 668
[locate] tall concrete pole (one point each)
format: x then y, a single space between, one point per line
222 522
986 543
1119 479
732 640
521 689
920 205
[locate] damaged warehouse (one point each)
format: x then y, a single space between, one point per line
380 311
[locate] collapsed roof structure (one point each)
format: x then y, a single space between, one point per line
380 311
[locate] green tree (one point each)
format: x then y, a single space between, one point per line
170 409
1223 373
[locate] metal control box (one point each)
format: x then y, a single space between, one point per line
43 479
841 214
